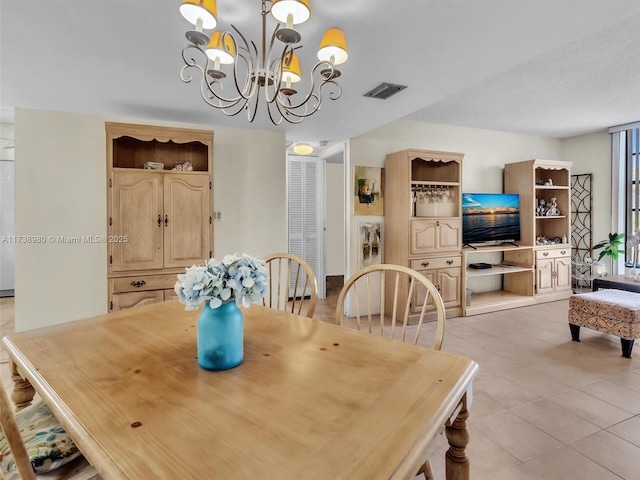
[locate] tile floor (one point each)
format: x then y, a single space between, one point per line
543 407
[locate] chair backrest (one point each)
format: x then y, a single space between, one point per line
292 284
395 283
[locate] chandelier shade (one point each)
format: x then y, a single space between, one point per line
236 75
291 72
221 47
298 9
205 11
333 44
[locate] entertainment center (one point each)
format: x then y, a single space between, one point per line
535 268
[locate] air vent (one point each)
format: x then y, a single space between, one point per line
385 90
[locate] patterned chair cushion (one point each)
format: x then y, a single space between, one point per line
48 445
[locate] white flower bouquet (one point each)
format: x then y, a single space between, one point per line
242 279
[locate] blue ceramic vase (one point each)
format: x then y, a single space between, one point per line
220 337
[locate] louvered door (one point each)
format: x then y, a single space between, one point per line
305 208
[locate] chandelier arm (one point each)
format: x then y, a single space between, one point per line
248 90
271 117
252 115
312 86
277 64
190 62
286 113
306 113
217 101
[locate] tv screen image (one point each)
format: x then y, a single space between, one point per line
490 218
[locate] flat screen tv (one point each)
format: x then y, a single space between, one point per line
490 218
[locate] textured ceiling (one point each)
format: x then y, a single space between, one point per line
556 68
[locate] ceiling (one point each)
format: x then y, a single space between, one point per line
555 68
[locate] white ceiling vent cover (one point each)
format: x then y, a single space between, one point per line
385 90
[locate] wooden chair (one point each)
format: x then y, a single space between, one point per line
77 469
374 322
372 289
291 282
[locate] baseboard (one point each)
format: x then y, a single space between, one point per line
7 293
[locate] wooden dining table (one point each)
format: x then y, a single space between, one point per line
310 400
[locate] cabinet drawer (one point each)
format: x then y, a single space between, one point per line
554 253
144 283
122 301
440 262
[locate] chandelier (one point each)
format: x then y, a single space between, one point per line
271 71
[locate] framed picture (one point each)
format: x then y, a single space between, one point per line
370 244
368 191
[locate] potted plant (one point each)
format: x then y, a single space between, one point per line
610 248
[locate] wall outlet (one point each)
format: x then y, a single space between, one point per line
217 216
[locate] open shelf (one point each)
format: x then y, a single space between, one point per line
509 283
497 300
497 270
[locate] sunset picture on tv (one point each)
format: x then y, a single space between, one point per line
490 217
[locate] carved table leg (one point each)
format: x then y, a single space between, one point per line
457 462
23 391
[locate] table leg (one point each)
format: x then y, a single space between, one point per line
23 391
457 462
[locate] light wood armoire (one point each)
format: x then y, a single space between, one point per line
158 221
423 228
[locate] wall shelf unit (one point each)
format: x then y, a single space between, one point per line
543 182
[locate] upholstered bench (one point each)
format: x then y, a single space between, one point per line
610 311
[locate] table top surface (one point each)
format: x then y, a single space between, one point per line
310 400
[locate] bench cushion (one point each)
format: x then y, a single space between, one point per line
48 445
610 311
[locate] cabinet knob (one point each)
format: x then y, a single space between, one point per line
425 264
159 220
166 220
138 283
437 223
545 254
562 252
449 262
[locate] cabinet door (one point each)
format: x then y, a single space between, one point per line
136 299
563 273
136 210
449 234
449 283
544 275
423 236
420 292
187 209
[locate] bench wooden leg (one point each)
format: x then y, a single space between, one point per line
627 346
575 332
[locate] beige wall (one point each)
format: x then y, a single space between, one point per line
592 154
61 190
334 214
485 151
